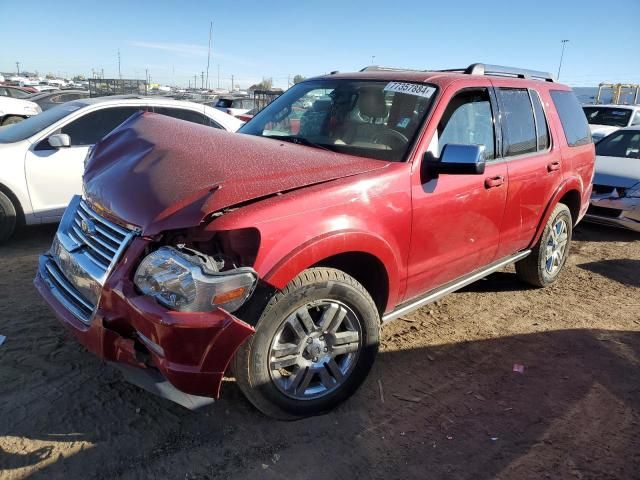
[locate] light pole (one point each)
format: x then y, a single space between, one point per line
372 59
564 42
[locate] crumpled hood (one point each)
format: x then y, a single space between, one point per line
159 173
617 172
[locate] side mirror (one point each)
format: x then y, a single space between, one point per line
59 140
456 159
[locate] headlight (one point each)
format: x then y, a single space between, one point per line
190 283
633 192
32 110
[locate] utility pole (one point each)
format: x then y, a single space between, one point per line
146 76
372 59
232 82
564 42
202 80
209 52
119 72
195 81
18 67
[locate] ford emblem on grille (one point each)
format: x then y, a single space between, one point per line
88 227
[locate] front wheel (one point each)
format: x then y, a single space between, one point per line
543 266
314 344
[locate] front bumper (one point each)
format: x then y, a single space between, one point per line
621 212
190 350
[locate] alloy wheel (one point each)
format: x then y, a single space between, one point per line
315 349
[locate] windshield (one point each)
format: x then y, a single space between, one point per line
615 117
32 125
374 119
625 143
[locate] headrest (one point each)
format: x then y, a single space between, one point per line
371 102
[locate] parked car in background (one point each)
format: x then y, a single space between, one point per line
14 110
605 119
615 199
283 249
14 92
41 159
25 88
48 100
235 105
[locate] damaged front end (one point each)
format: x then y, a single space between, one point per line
618 207
158 307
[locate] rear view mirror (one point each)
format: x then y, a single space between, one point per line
457 160
59 140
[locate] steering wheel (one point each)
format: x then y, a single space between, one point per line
397 139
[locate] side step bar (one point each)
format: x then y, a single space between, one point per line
451 287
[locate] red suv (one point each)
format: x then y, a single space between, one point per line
276 254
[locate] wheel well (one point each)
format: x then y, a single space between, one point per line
367 269
572 200
16 203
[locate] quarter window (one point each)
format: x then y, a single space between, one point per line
518 121
468 120
572 117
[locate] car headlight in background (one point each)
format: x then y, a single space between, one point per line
189 283
633 192
32 110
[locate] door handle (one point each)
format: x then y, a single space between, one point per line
493 182
553 166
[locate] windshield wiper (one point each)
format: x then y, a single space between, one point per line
300 141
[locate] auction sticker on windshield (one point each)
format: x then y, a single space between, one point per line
410 89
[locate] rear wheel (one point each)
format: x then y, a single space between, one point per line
8 217
11 120
543 266
314 344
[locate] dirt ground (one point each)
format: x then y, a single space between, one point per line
442 401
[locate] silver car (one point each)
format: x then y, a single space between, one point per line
616 185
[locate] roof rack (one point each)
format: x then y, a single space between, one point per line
380 68
502 71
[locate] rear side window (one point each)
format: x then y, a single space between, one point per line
188 115
572 117
541 122
518 121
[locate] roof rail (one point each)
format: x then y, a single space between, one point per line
499 70
380 68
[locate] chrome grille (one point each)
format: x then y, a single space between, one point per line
84 251
103 242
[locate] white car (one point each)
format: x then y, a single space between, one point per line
235 105
606 119
14 110
42 158
615 199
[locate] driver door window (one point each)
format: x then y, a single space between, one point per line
468 120
92 127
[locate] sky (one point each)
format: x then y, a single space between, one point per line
279 39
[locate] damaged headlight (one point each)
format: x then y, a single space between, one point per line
191 283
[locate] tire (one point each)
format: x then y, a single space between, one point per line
11 120
301 364
8 217
538 269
